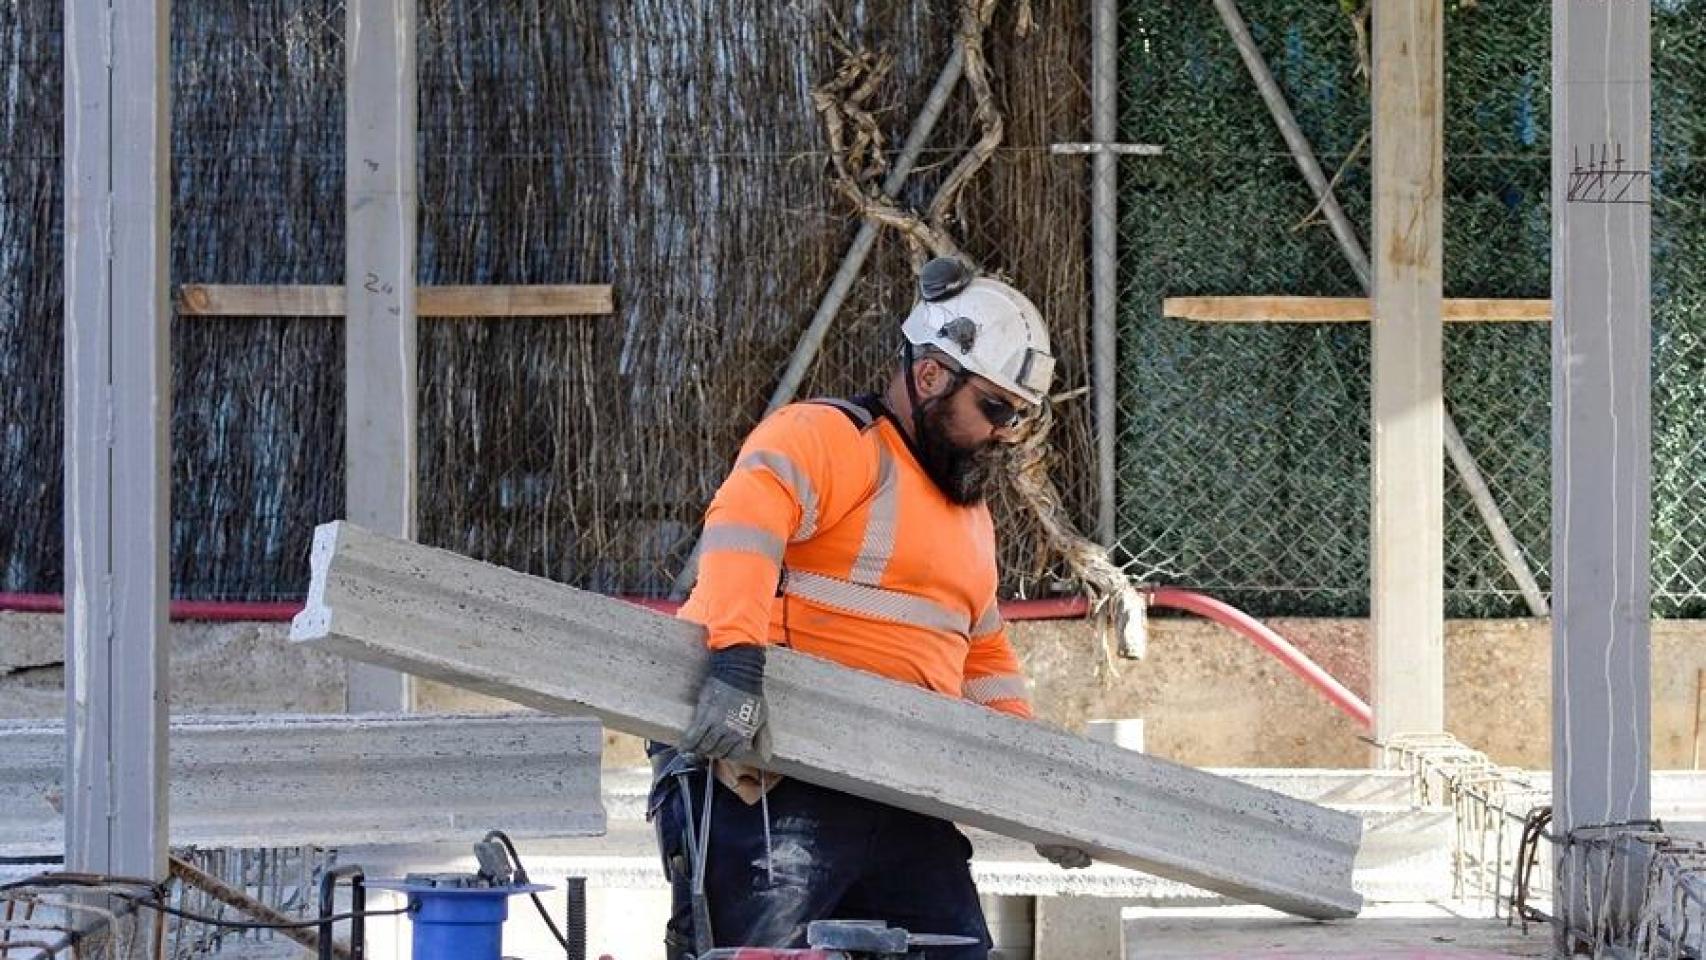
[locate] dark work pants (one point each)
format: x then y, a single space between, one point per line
832 856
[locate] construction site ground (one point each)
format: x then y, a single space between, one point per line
1207 699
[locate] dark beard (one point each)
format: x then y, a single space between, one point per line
966 476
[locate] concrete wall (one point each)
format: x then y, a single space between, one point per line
1208 697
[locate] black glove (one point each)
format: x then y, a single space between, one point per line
1067 858
731 711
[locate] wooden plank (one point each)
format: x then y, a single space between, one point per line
1407 515
228 300
300 300
552 647
1342 310
555 300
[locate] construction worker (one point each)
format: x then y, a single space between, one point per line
857 531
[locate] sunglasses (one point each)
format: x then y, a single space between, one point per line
1002 414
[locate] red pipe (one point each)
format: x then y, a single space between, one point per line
1053 608
1227 616
215 610
1263 636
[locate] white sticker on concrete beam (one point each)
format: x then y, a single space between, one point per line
332 781
529 640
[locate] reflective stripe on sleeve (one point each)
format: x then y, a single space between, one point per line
789 473
1001 686
989 623
743 538
874 602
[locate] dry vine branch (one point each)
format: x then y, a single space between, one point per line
1359 14
842 103
974 20
1312 218
1117 605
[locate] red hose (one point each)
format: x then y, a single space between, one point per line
1054 608
1263 636
215 610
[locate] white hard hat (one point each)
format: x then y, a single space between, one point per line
985 326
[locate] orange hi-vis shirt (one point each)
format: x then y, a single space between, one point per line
828 537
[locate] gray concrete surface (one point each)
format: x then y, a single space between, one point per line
1400 932
229 668
287 781
30 641
449 618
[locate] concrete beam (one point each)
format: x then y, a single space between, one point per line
380 375
332 781
118 401
1407 596
548 646
1601 456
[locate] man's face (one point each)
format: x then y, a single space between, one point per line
961 447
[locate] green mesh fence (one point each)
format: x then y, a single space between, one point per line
1244 455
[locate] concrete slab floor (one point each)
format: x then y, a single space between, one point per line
1412 931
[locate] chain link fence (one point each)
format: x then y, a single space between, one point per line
1244 450
677 155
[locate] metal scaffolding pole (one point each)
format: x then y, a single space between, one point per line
1104 265
118 397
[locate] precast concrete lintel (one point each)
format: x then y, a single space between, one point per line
272 781
532 641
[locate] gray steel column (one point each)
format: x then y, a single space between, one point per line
1601 457
118 399
379 280
1104 263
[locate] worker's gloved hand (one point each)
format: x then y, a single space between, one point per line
1067 858
731 711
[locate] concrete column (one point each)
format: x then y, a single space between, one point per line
1601 349
1407 593
380 373
118 398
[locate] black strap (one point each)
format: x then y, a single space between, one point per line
862 410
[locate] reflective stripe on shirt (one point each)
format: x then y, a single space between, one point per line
743 538
878 548
1001 686
874 602
989 623
789 473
